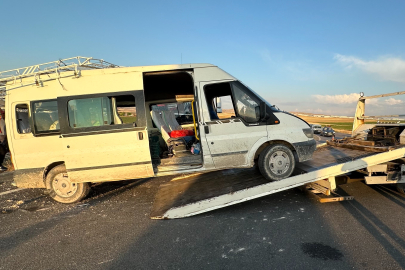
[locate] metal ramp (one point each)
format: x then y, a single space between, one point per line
206 192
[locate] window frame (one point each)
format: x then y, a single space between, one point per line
111 112
251 94
232 99
30 122
33 126
140 112
247 91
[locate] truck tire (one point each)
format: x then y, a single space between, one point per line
401 188
276 162
61 189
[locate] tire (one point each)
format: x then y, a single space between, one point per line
61 189
401 188
276 162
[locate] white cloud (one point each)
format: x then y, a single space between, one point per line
393 101
346 99
388 68
337 99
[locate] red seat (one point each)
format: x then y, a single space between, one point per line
181 133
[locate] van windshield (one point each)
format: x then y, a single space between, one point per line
258 96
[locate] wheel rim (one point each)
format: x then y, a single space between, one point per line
62 186
279 162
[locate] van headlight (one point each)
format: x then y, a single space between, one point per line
308 132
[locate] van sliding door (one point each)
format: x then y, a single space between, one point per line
104 135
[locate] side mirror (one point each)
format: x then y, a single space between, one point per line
263 113
257 113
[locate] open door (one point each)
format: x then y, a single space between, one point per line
104 135
230 135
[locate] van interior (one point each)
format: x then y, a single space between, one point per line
172 124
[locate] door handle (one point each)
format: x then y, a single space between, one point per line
140 135
206 129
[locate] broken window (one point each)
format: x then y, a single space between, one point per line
22 118
236 100
228 110
224 92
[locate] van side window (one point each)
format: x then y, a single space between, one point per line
236 100
46 118
224 92
101 111
248 109
22 118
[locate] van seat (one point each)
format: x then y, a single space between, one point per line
166 122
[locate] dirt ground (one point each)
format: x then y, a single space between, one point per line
320 120
226 114
343 125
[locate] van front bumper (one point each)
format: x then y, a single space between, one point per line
305 150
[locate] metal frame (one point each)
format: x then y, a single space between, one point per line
359 117
326 187
15 78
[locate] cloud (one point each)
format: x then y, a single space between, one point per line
345 99
337 99
387 68
393 101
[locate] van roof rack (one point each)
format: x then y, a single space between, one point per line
14 78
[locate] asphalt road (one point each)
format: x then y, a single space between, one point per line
287 230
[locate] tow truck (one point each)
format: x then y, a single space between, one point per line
55 147
374 150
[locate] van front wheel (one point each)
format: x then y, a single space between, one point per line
61 189
276 162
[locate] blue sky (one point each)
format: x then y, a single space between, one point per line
308 56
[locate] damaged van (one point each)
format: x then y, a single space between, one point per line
90 121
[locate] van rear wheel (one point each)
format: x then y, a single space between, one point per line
276 162
61 189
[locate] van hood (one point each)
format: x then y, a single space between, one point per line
290 114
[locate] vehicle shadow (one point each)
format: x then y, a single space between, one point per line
265 232
100 193
390 193
371 222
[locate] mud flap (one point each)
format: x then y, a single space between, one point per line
305 150
29 178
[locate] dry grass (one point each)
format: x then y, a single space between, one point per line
339 124
228 113
320 120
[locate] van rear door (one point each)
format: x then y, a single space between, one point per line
104 135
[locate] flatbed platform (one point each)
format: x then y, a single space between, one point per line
205 192
192 189
326 156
